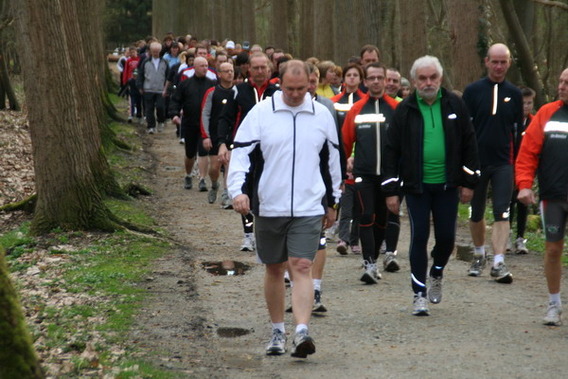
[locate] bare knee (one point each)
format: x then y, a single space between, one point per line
300 266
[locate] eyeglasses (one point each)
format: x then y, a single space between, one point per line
373 78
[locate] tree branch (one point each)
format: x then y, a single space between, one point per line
551 3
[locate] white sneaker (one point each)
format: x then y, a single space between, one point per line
553 315
160 127
182 141
371 274
248 242
151 130
420 305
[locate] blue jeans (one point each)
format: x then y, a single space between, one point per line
442 204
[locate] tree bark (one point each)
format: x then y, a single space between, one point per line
65 137
17 355
525 60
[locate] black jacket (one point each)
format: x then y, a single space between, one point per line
405 141
237 107
188 97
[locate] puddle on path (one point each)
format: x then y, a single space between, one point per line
228 332
464 252
225 268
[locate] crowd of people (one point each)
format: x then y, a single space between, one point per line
298 146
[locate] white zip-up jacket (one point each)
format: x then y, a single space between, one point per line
286 159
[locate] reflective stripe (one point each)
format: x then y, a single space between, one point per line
340 107
417 281
389 181
556 126
366 118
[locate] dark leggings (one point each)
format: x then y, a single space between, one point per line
442 203
393 230
522 211
372 211
248 222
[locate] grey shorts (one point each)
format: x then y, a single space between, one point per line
278 238
554 214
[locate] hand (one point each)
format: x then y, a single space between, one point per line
526 196
350 162
241 204
176 120
393 204
207 144
329 218
224 154
465 194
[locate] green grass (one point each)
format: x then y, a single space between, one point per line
105 271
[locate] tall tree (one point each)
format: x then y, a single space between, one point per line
17 356
526 58
6 89
65 136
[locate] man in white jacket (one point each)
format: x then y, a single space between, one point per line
285 169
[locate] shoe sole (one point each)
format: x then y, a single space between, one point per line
342 250
507 279
368 279
521 252
552 323
392 267
275 351
304 349
421 313
246 249
474 274
434 300
319 308
203 189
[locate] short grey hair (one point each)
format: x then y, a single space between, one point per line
426 61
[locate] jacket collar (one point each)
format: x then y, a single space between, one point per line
279 105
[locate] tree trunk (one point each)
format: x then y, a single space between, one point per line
64 134
525 59
17 355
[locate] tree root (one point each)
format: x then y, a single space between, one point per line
136 190
26 205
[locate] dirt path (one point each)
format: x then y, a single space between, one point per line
481 329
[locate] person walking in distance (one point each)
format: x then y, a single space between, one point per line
277 155
496 110
365 125
249 93
543 150
431 157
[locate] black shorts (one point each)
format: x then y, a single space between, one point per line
501 178
554 214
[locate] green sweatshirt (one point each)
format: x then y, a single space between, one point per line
434 152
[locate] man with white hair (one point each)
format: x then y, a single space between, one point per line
432 134
151 81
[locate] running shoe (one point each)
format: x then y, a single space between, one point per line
248 242
212 195
202 186
226 202
371 274
501 274
318 305
520 246
129 119
553 315
435 290
277 344
160 127
303 345
187 182
390 263
182 141
342 247
151 130
420 305
477 265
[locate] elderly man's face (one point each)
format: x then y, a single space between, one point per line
427 82
259 71
563 87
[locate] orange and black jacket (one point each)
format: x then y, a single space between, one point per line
544 150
